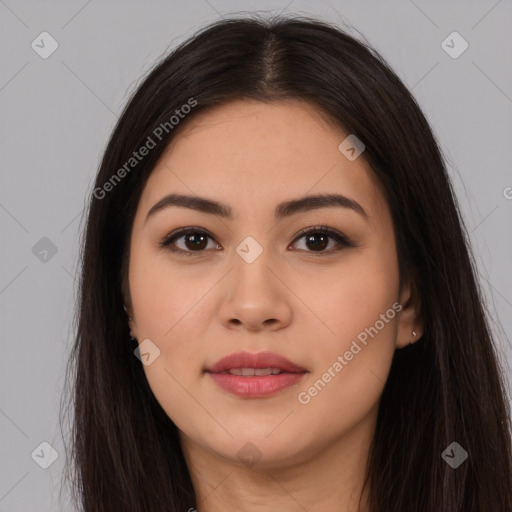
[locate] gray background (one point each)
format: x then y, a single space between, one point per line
58 112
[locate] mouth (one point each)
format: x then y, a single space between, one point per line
269 362
255 375
249 372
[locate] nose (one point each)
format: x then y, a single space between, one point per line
254 297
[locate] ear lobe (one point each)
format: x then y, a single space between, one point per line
410 318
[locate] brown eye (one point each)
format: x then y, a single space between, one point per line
317 240
193 240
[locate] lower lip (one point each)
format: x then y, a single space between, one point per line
256 386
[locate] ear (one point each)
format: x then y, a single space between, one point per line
127 302
131 322
410 318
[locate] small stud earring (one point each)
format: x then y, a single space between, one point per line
414 334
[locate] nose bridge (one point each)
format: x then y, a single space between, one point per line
254 296
251 267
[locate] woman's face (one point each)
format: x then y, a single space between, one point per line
244 279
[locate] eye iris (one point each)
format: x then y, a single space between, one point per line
313 238
198 240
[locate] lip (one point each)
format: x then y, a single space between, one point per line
255 386
258 360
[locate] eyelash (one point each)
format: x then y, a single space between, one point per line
341 239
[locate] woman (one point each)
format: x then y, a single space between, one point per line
278 307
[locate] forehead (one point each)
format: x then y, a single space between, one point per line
271 129
247 153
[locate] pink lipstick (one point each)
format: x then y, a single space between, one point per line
255 375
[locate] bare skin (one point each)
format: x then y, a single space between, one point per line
302 300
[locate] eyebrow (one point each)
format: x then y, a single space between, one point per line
284 209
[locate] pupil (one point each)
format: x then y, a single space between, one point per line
196 240
321 245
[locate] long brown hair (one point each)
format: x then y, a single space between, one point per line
448 387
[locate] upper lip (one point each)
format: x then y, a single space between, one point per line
258 360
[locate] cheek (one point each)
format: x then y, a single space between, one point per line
353 297
170 311
166 297
352 362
